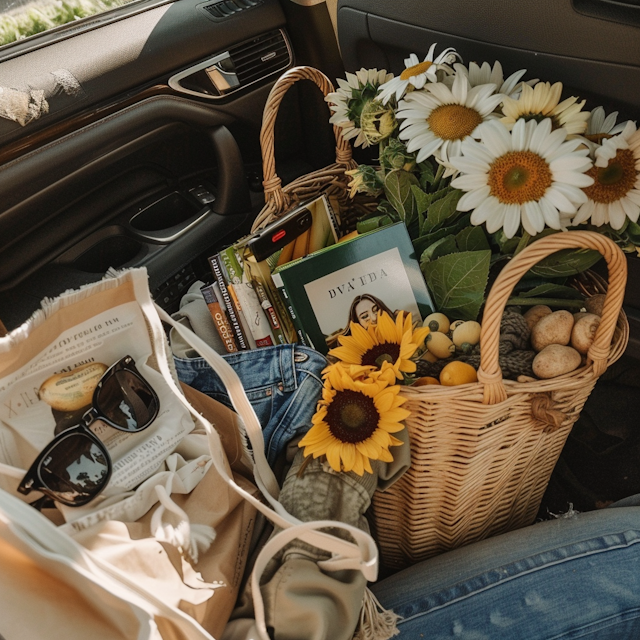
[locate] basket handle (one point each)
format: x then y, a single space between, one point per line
489 373
272 184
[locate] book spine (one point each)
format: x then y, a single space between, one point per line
302 336
269 312
219 318
241 314
255 324
216 267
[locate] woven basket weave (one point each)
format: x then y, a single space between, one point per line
482 453
330 180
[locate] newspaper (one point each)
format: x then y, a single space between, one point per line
73 331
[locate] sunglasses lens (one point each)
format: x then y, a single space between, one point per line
127 401
75 469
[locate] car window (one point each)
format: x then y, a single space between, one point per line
20 19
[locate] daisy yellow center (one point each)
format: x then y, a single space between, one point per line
389 351
615 180
539 117
352 416
518 177
453 121
416 70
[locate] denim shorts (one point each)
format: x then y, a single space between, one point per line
283 384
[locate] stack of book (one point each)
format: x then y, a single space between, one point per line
295 282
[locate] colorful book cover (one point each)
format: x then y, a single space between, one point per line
217 268
253 318
351 281
219 317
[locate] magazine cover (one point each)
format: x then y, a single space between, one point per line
351 281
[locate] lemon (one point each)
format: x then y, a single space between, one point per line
457 372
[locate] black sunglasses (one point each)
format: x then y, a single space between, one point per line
75 466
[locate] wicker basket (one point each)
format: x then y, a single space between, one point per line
330 180
482 453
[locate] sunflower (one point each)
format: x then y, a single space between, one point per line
615 193
354 422
543 101
486 74
531 174
438 119
417 74
351 98
386 345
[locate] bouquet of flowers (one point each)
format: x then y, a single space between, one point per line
360 407
478 166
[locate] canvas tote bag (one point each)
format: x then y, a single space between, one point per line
89 552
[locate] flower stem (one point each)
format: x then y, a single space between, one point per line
436 180
524 241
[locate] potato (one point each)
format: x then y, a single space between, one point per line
554 328
595 303
555 360
536 313
584 331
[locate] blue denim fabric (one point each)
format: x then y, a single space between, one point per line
283 384
570 578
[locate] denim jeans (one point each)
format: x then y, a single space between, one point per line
283 384
576 577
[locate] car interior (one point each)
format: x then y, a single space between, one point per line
148 150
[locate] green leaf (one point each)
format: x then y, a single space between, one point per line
386 209
363 226
633 232
439 248
441 210
458 281
397 188
472 239
423 200
427 177
551 290
566 262
423 241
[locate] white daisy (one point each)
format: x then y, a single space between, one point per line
438 119
543 101
485 74
417 74
531 174
351 97
600 128
615 193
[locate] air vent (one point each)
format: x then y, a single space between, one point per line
226 8
255 59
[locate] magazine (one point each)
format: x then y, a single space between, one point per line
351 281
63 337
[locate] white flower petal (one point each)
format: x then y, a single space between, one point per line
559 200
571 163
484 210
617 216
428 150
550 213
572 177
470 181
511 222
496 138
584 212
534 214
496 220
468 164
574 194
472 199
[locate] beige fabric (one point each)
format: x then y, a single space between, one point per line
26 587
